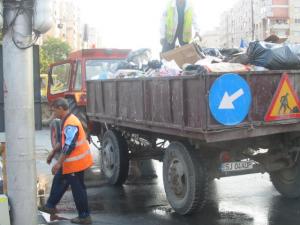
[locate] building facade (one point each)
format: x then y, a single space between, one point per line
294 22
236 24
257 19
271 17
211 39
66 23
91 37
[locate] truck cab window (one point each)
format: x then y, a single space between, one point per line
95 69
78 78
62 73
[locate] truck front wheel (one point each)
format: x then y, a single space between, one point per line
185 178
114 157
287 181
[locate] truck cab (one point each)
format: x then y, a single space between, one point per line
68 79
80 66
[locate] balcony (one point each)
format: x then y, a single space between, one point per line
280 12
279 26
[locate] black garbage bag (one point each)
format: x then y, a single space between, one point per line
139 57
154 64
229 51
124 65
241 58
212 52
194 70
274 56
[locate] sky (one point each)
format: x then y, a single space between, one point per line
136 23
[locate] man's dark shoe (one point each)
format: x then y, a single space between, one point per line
45 209
78 220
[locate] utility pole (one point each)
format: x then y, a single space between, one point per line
19 111
252 19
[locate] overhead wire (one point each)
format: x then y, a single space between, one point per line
21 7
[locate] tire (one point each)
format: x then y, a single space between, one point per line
78 111
287 181
55 132
114 158
188 193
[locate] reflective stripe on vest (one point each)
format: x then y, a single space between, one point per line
78 143
78 157
170 24
187 27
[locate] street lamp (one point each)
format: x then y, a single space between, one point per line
42 17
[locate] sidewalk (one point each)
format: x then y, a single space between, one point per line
44 176
131 204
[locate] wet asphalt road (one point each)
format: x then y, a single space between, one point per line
242 200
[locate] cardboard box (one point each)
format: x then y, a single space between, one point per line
186 54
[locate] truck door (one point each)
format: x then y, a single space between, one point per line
60 79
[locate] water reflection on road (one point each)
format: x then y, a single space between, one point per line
242 200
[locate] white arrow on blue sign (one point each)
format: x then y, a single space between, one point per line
230 99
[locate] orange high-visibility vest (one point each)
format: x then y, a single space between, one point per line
80 158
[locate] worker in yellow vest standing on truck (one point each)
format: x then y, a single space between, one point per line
177 22
75 158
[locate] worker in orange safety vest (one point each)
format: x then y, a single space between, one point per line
75 158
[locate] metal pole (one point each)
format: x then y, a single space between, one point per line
19 112
252 18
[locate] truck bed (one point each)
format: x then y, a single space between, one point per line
179 106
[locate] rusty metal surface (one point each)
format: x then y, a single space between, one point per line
178 106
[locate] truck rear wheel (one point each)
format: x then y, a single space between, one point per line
287 181
78 111
114 157
185 178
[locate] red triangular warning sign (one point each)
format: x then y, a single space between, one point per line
285 103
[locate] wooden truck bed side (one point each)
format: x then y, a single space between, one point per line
178 106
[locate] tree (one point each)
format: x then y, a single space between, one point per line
44 62
51 51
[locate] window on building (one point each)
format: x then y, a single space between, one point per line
297 33
280 21
297 10
281 33
297 20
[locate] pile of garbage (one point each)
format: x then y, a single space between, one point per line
194 60
274 56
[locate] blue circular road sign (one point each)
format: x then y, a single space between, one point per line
230 99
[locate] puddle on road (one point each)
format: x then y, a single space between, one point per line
224 206
235 216
162 210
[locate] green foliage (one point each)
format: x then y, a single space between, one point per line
51 51
44 61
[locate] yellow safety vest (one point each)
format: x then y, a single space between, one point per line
80 158
170 24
